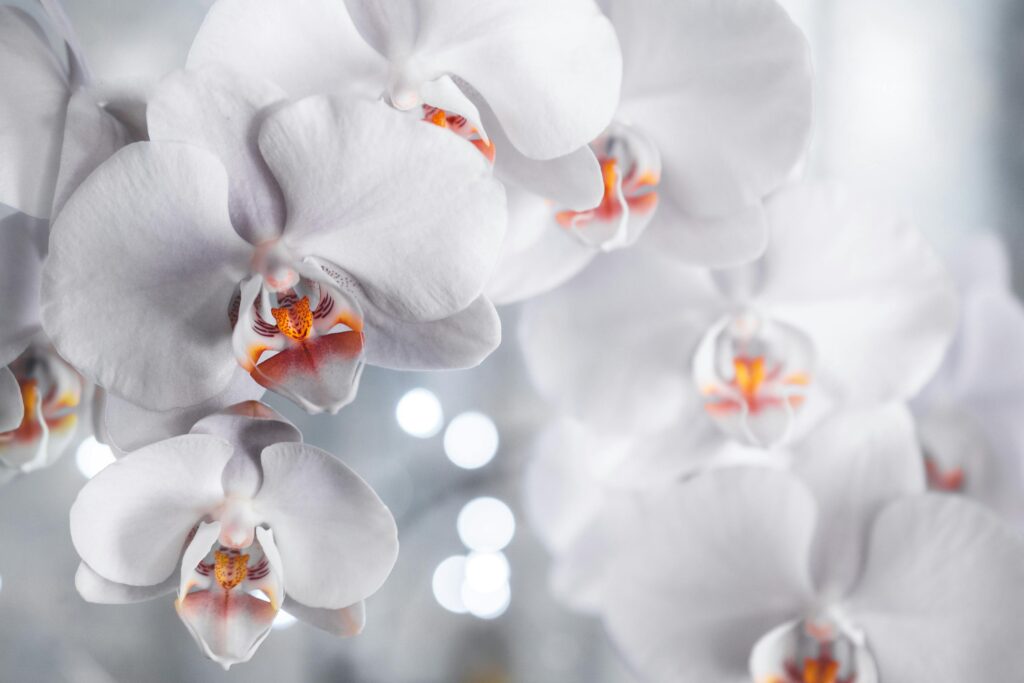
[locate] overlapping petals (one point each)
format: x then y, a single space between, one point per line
227 511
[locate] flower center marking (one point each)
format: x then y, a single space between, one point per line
951 480
230 569
460 126
294 319
636 191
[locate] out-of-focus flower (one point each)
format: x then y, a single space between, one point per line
241 519
847 308
289 242
40 394
968 416
715 115
529 82
841 570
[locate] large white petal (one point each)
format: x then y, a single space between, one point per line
94 588
34 96
855 464
940 600
130 426
337 540
21 264
715 564
221 111
551 71
613 346
408 209
304 46
723 87
343 622
874 298
142 267
131 521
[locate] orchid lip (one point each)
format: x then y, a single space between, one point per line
755 375
818 649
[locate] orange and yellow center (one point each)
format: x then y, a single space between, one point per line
294 321
230 569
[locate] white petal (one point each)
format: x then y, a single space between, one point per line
717 562
855 464
719 242
344 622
33 100
724 90
94 588
613 346
21 263
538 254
146 243
304 46
129 426
337 540
550 70
940 599
91 136
131 521
221 111
408 209
12 408
869 291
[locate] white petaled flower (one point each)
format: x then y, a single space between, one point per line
839 570
848 307
968 416
241 519
40 395
255 241
715 116
529 82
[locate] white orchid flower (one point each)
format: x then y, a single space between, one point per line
841 570
715 115
529 82
241 519
289 242
40 395
55 126
848 307
969 414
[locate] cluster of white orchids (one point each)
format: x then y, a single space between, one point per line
787 432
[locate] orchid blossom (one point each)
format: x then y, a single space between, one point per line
41 396
715 115
841 570
847 308
261 242
968 416
528 82
240 519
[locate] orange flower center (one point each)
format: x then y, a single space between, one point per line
295 320
230 569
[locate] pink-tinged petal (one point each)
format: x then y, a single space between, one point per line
613 346
131 521
304 46
129 427
940 597
855 464
867 289
21 265
407 209
550 70
721 560
147 241
12 408
216 598
94 588
538 254
33 104
338 542
723 88
221 112
91 136
321 374
344 623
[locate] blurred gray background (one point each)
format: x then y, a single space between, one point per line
919 102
